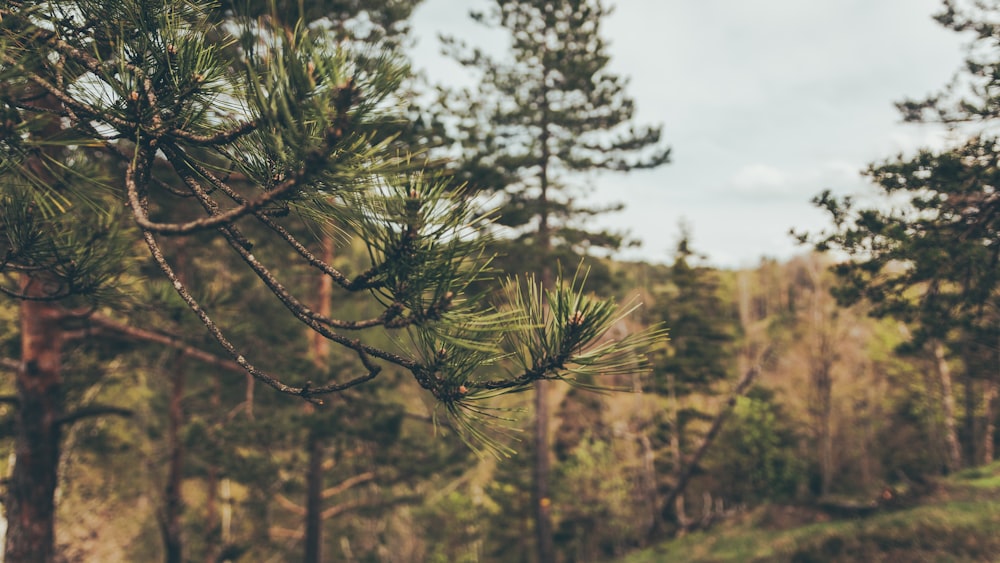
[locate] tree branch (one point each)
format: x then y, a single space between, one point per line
92 411
742 386
167 340
348 483
7 364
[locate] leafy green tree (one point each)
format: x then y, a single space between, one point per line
535 122
929 251
229 139
756 457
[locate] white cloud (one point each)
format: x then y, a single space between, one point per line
759 179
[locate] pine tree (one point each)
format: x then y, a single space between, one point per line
536 121
696 358
124 136
929 252
542 118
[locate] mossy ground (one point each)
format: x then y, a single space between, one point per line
958 521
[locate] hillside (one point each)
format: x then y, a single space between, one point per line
956 520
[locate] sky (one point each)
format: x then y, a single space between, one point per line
765 103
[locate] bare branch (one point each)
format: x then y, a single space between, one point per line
8 364
170 340
219 138
742 386
93 411
342 507
288 505
348 483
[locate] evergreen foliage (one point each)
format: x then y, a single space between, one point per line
543 116
235 130
278 133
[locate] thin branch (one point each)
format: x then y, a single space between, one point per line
347 484
10 400
362 281
310 318
307 391
92 411
218 138
170 340
8 364
343 507
288 505
720 418
204 223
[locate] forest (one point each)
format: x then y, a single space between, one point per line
269 294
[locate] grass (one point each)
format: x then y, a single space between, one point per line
960 522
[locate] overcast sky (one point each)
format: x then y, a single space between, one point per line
764 102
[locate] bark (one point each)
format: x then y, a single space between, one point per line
823 386
314 499
212 534
30 502
314 445
173 504
823 355
675 450
989 420
954 449
542 467
541 496
970 423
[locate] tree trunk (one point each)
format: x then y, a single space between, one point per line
212 532
173 505
30 502
954 450
314 499
970 423
314 443
989 422
542 468
823 385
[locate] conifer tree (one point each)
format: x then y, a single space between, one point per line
929 252
536 121
541 118
129 122
697 356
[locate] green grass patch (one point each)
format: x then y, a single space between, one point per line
950 526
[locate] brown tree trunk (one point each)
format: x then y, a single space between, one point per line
823 386
542 467
314 499
954 449
989 420
212 532
31 491
541 495
970 423
173 505
314 444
